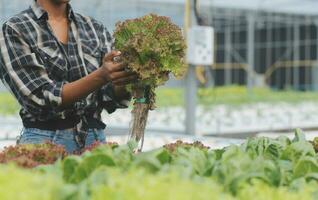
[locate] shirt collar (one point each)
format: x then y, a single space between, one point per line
41 13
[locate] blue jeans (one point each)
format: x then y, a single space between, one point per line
64 138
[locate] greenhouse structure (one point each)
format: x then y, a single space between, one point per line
272 42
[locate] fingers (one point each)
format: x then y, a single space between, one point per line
116 71
126 80
122 74
109 57
118 67
114 66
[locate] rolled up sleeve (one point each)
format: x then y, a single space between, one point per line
27 79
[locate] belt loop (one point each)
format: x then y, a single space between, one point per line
55 135
95 134
18 138
76 139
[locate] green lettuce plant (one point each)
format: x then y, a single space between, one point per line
152 47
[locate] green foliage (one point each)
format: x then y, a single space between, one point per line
8 104
229 95
260 167
281 166
21 184
153 47
139 184
260 191
233 96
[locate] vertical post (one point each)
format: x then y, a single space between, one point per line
315 68
250 49
191 83
307 53
288 45
235 45
191 101
210 77
228 47
296 56
269 45
277 28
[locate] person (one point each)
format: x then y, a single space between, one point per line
62 69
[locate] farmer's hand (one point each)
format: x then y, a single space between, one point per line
115 71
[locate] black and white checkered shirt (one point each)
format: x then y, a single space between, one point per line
35 66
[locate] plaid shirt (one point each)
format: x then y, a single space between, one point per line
34 65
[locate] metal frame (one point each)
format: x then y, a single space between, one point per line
286 38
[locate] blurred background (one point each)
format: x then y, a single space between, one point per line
262 82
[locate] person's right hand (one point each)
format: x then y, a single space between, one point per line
115 72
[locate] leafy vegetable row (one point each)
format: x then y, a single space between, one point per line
261 167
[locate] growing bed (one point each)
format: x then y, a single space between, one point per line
260 168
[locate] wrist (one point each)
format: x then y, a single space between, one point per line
101 75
